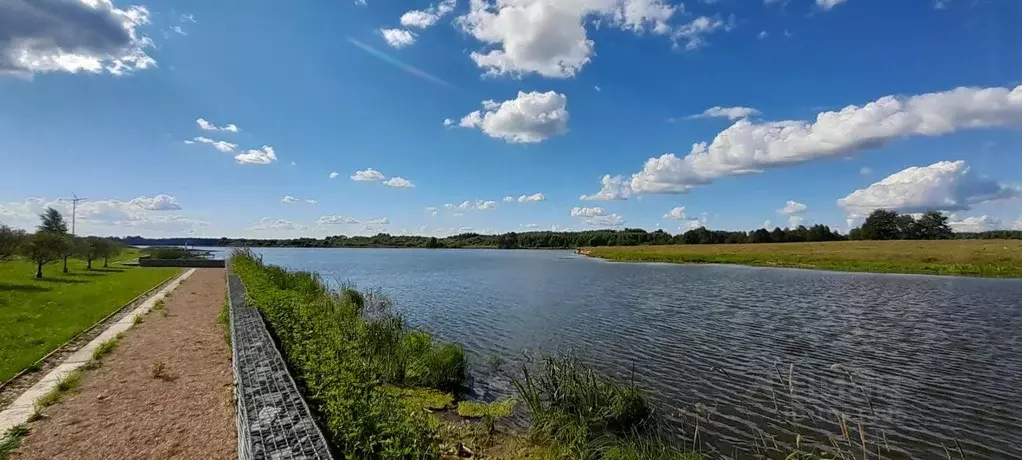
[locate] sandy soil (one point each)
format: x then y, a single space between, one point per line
124 411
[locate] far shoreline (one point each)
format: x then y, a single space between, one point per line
962 258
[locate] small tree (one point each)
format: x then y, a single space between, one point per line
108 249
43 248
933 226
89 249
882 225
10 241
53 222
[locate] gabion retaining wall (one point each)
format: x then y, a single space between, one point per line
273 420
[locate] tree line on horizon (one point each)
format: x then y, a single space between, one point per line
879 225
52 242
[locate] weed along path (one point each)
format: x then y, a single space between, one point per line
164 391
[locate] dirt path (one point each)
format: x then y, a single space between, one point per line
127 410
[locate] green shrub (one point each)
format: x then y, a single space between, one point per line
587 416
348 348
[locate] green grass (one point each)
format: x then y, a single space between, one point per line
37 316
985 258
11 440
494 410
107 347
66 385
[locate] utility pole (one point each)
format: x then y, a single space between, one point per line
74 208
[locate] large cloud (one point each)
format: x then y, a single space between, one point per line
72 36
943 186
548 37
529 118
106 217
750 147
975 223
368 175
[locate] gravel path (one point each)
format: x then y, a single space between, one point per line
123 411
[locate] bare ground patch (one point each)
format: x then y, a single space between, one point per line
165 392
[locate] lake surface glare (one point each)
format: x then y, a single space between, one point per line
745 353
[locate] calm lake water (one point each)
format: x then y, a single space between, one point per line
744 353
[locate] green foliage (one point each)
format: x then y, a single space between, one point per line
588 416
107 347
421 399
11 439
10 241
348 350
498 409
66 385
45 247
52 221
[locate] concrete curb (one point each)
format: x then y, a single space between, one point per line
22 408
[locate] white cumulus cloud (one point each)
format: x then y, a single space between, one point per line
534 198
750 147
693 33
333 175
509 199
432 210
205 125
94 36
677 213
613 188
485 205
337 220
289 199
222 146
398 182
426 18
263 156
975 223
529 118
731 113
588 212
369 174
159 202
397 38
792 207
548 37
942 186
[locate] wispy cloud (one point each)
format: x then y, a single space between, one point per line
399 64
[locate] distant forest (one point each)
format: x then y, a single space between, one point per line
881 225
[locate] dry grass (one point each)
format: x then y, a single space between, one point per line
988 258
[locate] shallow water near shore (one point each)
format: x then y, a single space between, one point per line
745 353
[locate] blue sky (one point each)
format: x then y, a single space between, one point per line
101 103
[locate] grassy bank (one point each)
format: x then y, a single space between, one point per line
987 258
348 348
37 316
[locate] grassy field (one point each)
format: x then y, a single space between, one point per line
987 258
37 316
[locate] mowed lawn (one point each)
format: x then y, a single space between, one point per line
37 316
988 258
